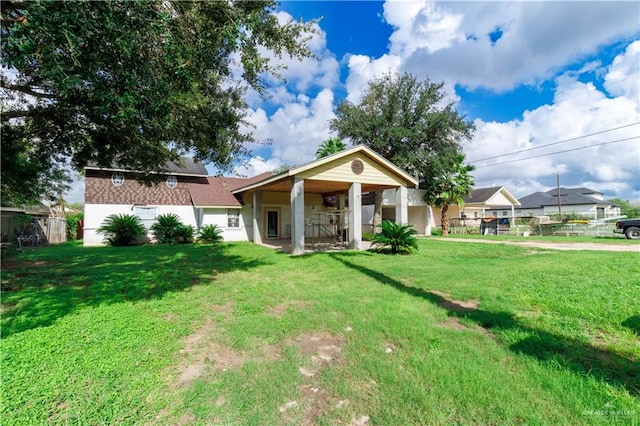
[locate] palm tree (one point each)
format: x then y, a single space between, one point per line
451 188
330 146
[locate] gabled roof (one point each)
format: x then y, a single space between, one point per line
217 192
537 200
568 191
484 196
238 182
322 161
568 196
186 166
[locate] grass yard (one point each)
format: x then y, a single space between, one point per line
239 334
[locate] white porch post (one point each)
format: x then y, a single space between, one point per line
355 215
402 210
341 225
297 215
428 217
257 217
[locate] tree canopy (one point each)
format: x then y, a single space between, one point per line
408 122
135 83
329 147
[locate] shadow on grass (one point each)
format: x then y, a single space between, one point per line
43 286
570 353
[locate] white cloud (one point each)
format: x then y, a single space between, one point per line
308 72
578 109
363 69
297 128
623 78
255 166
450 40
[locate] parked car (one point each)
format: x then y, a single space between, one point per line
629 227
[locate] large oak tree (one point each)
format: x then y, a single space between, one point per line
408 122
134 83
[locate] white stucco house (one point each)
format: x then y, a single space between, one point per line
290 205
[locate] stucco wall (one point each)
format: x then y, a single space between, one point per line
95 214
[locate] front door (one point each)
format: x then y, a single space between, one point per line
272 224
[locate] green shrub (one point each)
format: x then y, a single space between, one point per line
122 230
72 225
395 238
210 234
436 231
166 228
184 234
368 236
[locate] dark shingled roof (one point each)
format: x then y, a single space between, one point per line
214 193
217 191
568 196
481 195
185 166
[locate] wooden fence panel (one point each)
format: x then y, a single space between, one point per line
56 230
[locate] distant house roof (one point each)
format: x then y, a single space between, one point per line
186 166
490 196
568 196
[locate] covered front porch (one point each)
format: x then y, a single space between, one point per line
297 199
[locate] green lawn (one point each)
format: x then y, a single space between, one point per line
239 334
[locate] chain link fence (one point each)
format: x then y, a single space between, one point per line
532 226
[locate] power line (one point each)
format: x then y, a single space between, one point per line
556 143
558 152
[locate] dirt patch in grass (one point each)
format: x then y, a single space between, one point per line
224 310
324 350
282 309
203 351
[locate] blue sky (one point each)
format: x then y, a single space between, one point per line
529 74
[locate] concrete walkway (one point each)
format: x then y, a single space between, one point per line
549 245
284 245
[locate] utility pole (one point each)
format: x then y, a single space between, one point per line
559 201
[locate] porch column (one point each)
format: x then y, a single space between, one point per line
341 220
355 215
429 220
257 217
402 209
297 215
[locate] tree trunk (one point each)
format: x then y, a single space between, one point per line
444 220
377 212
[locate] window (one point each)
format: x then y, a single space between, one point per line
475 215
233 218
504 213
172 181
146 214
117 179
495 214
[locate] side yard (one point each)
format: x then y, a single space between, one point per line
239 334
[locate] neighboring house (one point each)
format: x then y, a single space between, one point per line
583 202
477 205
290 205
